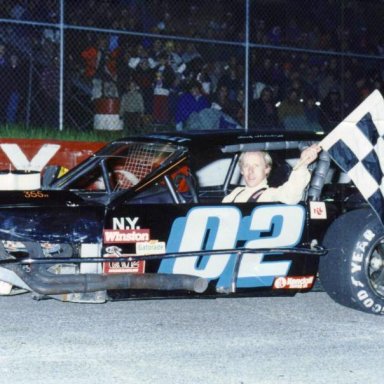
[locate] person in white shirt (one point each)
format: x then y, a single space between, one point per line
256 167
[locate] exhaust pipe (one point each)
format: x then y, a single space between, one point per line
45 283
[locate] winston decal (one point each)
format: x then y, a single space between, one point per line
126 236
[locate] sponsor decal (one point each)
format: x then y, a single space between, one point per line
37 163
125 223
358 256
128 266
294 282
35 195
317 210
224 227
35 154
126 236
153 247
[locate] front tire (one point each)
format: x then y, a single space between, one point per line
352 272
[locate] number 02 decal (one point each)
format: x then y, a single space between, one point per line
224 227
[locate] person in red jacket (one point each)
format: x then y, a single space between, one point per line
100 68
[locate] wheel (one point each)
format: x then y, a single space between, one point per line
352 272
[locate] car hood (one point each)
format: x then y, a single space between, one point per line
49 216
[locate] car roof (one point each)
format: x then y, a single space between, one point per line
234 140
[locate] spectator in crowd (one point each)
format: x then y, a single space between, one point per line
287 72
3 76
139 54
239 107
166 24
157 49
144 76
328 82
259 31
230 79
374 79
274 36
312 114
331 108
191 53
193 68
312 79
204 77
292 32
350 93
132 108
14 85
174 57
50 86
124 71
221 101
291 111
296 84
164 81
263 111
193 100
268 73
100 68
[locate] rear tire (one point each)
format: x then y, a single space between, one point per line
352 272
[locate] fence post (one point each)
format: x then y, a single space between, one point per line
29 94
246 72
61 96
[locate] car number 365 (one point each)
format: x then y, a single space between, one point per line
224 227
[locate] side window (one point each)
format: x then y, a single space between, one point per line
91 181
214 174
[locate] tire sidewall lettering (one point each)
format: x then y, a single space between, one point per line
360 286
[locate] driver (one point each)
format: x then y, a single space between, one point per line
256 167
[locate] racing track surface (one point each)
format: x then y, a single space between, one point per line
305 339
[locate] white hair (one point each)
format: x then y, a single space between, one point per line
266 156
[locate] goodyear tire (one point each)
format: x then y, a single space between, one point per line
352 272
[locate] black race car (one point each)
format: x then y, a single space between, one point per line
143 217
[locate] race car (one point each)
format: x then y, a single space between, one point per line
143 217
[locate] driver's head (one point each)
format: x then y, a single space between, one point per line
255 167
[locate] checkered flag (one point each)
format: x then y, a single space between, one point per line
357 146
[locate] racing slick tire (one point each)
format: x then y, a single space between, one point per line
352 272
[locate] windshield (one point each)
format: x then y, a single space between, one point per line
132 162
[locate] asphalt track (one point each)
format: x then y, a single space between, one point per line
304 339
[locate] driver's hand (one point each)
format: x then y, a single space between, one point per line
310 154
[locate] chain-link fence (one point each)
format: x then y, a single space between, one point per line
148 65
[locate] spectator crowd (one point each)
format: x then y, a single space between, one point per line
185 82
